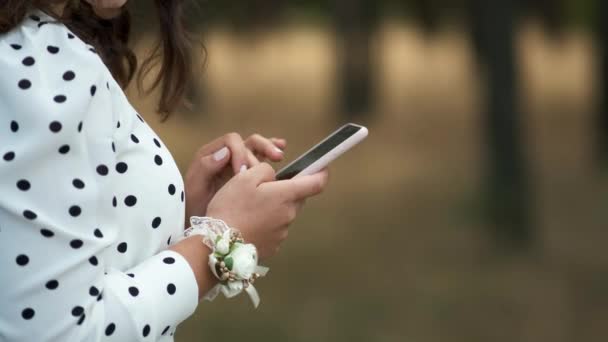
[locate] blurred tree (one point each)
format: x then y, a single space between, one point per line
508 192
355 21
427 12
602 36
552 14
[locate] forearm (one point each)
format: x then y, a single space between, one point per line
197 255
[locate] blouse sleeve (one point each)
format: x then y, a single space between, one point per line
56 219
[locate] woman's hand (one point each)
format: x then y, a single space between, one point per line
262 208
217 162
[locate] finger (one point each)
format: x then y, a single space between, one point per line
264 147
302 187
300 204
212 164
238 150
279 142
261 173
252 159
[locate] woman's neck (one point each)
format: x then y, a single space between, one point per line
56 9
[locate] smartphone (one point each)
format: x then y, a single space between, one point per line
320 155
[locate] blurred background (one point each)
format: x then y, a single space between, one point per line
476 210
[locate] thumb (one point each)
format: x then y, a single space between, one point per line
214 163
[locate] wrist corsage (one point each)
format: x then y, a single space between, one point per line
232 261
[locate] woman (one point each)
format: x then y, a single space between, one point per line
92 205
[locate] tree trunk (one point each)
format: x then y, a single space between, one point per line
508 191
354 21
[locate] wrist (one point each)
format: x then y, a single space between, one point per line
197 255
232 261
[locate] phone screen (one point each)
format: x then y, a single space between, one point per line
317 152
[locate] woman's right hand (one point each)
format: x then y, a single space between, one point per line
262 208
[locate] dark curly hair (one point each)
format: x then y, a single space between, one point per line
111 40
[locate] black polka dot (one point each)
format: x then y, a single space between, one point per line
114 202
158 160
169 240
81 319
93 90
52 49
69 75
131 275
113 147
30 215
169 260
108 85
23 185
70 36
76 243
16 46
171 189
118 124
24 84
121 167
130 200
134 139
28 313
46 233
93 291
182 195
78 184
93 260
22 260
140 118
166 329
146 330
28 61
122 247
133 291
100 297
80 126
8 156
110 329
77 311
52 284
60 98
156 222
55 126
34 17
14 126
102 170
98 233
64 149
156 142
171 289
75 211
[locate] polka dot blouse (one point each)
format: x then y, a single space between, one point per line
90 199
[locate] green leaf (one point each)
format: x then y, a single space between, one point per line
229 262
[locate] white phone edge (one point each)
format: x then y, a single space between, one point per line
331 155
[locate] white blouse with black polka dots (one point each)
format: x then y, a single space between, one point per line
90 198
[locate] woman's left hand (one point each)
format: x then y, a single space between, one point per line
218 161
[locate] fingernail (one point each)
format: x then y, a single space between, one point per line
221 154
243 168
278 150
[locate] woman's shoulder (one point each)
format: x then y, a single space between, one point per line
41 35
48 69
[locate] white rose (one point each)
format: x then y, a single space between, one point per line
222 246
245 260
